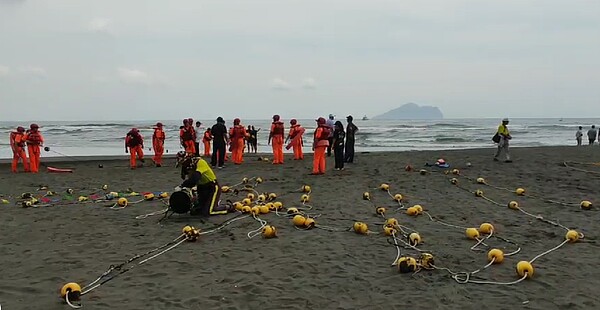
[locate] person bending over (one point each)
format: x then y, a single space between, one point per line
196 172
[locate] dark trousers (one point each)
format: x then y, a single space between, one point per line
349 152
218 148
339 157
329 146
197 149
207 200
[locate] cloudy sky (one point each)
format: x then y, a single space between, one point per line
140 59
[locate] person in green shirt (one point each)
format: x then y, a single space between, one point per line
505 137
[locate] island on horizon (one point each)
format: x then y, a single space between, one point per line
411 111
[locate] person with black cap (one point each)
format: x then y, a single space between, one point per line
504 137
196 173
338 145
134 145
219 133
17 144
351 130
331 125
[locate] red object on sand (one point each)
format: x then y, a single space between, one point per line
58 170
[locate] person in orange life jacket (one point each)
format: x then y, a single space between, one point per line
34 140
351 130
320 144
187 137
295 137
206 140
219 133
198 137
276 135
135 142
17 143
237 135
158 144
338 145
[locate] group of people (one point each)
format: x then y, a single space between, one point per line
32 139
592 134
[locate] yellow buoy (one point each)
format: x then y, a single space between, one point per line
292 211
238 205
270 206
259 180
520 191
572 236
513 205
246 209
380 211
72 289
306 188
225 189
309 223
261 198
454 181
104 187
384 187
524 267
264 209
585 205
426 260
149 196
406 264
5 202
278 205
418 208
391 222
389 230
255 210
496 255
250 196
272 196
366 196
360 228
269 232
247 201
481 180
114 194
187 229
398 197
49 193
70 191
479 193
164 195
412 211
305 198
455 171
26 204
486 228
245 180
414 239
472 233
299 220
82 199
423 172
122 202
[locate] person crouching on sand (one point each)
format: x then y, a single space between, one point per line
505 136
134 144
196 172
34 141
17 143
320 144
158 144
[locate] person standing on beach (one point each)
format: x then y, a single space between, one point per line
320 144
198 137
237 135
330 124
158 144
579 136
338 145
187 136
207 137
254 138
17 143
505 136
592 135
276 135
351 130
135 142
295 138
34 140
219 133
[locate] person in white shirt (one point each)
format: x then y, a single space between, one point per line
199 135
579 136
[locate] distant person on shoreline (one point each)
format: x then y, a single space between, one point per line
502 137
295 138
158 144
351 130
135 142
206 140
592 133
254 138
17 144
331 125
338 145
34 140
579 136
276 136
219 133
320 144
198 137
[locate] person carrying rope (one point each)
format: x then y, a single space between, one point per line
196 172
17 143
34 141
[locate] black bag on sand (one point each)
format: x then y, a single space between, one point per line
496 138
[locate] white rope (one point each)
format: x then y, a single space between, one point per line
258 231
441 222
397 249
70 304
143 216
549 251
162 252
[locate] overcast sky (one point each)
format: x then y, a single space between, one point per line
149 59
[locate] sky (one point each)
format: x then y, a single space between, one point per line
156 59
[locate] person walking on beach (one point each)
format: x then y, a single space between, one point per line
295 138
158 144
351 130
592 135
207 137
331 125
276 136
237 136
135 142
34 140
579 136
187 137
219 133
198 137
504 135
17 144
320 144
338 145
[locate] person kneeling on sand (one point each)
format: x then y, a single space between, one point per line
504 137
196 172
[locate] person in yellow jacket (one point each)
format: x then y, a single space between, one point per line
504 137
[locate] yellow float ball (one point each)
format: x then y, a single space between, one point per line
309 223
513 205
49 193
278 205
187 229
520 191
380 211
292 211
391 222
270 206
455 171
299 220
225 189
572 236
247 201
366 196
479 193
259 180
398 197
250 196
412 211
261 198
496 255
82 199
406 264
272 196
104 187
454 181
305 198
238 205
486 228
389 230
164 195
114 194
481 180
122 202
72 289
384 187
414 239
524 267
426 260
472 233
360 228
264 209
585 205
423 172
269 232
255 210
306 188
149 196
418 208
245 180
246 209
70 191
4 201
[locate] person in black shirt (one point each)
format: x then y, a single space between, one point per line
351 130
338 145
219 133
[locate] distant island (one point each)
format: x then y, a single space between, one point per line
412 111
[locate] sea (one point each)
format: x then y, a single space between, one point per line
89 138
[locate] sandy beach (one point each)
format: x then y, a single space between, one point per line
45 247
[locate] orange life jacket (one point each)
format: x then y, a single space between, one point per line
238 132
188 134
133 139
158 136
207 136
34 138
277 129
324 132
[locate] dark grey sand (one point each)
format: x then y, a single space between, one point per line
43 248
